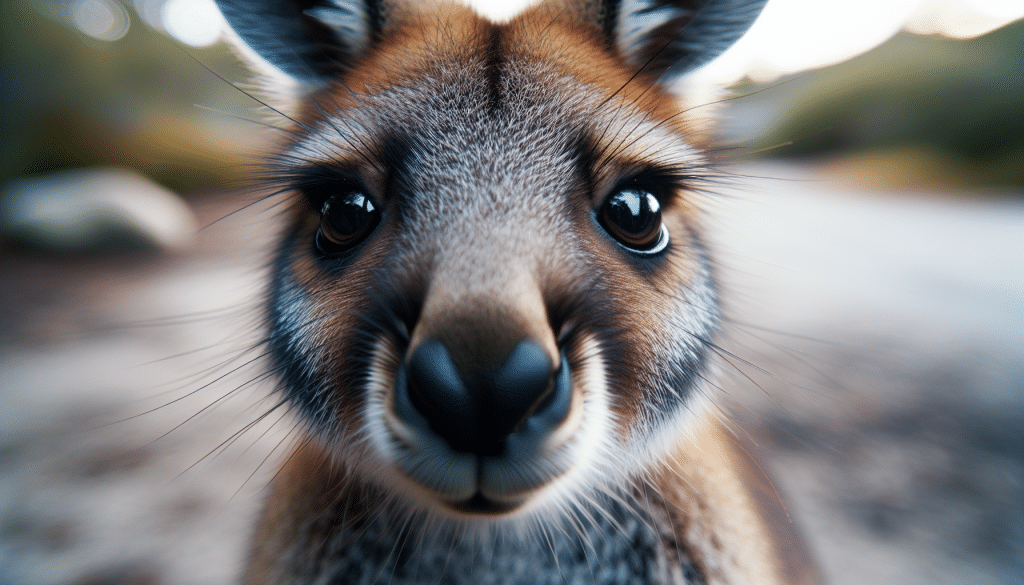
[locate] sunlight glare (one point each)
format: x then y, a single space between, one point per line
194 22
961 20
797 35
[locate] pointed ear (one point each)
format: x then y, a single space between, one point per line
668 38
309 40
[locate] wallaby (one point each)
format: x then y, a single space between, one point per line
492 308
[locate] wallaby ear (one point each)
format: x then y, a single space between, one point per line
309 40
667 38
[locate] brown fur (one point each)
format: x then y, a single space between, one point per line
730 515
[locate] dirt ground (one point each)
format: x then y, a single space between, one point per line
876 358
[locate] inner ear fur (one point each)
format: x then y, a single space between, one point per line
665 38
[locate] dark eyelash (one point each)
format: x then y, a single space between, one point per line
318 184
662 182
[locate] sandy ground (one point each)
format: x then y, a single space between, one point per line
877 359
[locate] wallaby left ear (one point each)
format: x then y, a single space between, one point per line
310 40
667 38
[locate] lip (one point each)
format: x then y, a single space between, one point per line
480 485
481 505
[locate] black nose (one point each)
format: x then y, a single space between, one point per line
475 415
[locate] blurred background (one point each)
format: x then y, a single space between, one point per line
870 232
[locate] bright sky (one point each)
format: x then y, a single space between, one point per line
790 35
795 35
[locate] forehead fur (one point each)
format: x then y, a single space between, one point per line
452 80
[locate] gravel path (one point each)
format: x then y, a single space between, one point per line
892 418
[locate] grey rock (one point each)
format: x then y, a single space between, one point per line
84 210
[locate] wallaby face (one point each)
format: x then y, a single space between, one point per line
492 285
491 307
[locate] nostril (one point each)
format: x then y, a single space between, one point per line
519 385
477 417
436 390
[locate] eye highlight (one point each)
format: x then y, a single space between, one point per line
345 221
633 217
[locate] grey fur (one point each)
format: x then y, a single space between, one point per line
485 154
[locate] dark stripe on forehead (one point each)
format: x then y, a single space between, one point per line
584 156
396 150
495 61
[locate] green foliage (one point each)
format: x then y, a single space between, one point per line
73 101
961 100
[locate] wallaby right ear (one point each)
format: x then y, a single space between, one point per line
665 38
309 40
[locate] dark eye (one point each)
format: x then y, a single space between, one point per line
345 221
633 217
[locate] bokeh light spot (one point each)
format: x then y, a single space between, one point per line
100 19
194 22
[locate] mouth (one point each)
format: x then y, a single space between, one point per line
481 505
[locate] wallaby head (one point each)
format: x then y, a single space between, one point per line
492 302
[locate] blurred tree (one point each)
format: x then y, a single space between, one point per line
71 100
959 103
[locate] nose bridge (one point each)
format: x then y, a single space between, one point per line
481 305
486 220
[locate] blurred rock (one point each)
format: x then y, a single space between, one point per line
89 210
